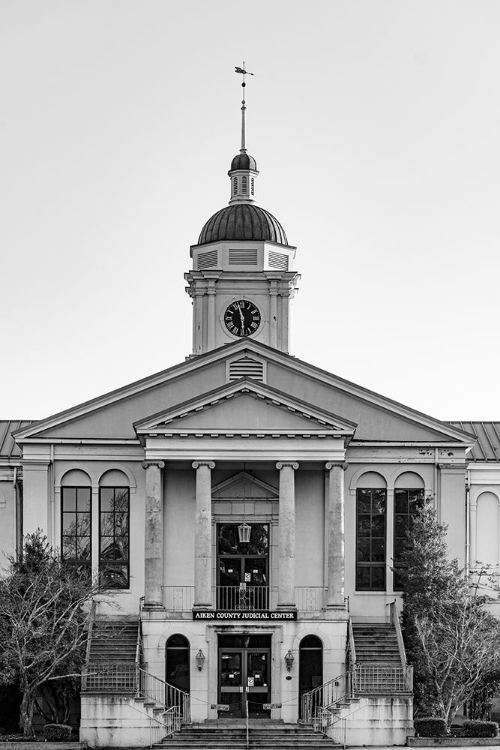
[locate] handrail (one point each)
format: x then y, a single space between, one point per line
138 648
351 649
325 696
399 635
164 694
89 642
246 712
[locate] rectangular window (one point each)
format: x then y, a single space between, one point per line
406 503
76 525
114 537
370 539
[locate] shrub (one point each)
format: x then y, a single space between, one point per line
430 726
481 728
57 732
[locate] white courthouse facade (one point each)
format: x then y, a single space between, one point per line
246 508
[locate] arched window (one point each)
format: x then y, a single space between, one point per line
487 531
310 666
177 662
408 498
114 531
371 505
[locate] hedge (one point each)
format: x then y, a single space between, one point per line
481 728
57 732
430 726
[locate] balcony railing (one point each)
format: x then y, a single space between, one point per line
243 597
248 598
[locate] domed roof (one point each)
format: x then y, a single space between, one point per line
243 161
242 221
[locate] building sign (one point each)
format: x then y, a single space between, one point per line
239 614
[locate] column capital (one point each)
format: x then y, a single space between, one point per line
159 464
340 464
197 464
282 464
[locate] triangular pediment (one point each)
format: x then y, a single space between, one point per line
313 393
244 407
244 485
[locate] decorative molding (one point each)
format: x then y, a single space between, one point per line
340 464
197 464
148 463
282 464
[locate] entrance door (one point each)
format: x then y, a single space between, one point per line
244 677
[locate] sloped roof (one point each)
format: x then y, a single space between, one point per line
8 448
487 447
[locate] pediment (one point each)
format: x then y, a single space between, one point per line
244 485
245 407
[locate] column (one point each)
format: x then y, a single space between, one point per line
153 553
335 534
286 544
203 535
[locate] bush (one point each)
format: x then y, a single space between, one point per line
57 732
481 728
430 726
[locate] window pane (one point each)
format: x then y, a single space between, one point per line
363 550
107 497
401 501
364 501
363 578
68 548
83 549
378 526
83 498
378 550
378 578
69 498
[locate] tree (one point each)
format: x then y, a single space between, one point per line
44 617
451 638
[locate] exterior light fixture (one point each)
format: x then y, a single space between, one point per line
200 660
289 661
244 531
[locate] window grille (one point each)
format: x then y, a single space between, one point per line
244 185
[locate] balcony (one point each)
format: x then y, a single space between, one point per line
244 598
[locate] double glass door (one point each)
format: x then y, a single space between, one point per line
244 680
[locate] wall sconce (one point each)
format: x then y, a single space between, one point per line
200 660
289 661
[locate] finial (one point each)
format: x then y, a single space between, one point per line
244 73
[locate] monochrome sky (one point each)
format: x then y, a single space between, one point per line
375 125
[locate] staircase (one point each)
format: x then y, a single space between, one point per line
231 735
111 661
378 661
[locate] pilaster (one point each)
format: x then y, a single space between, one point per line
286 543
203 535
335 537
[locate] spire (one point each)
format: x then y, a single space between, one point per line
243 167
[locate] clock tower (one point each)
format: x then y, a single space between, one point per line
242 279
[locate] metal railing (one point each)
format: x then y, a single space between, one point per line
372 680
325 696
181 598
242 597
110 677
163 694
310 598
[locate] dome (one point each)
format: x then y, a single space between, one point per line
242 221
243 161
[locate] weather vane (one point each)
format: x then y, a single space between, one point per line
244 73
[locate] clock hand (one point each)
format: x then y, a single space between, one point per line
242 319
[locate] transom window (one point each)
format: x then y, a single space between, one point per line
371 507
114 537
76 543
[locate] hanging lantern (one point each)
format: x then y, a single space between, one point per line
289 661
244 531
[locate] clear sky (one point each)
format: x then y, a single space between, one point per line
376 129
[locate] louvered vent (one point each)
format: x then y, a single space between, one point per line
242 257
246 368
207 260
278 260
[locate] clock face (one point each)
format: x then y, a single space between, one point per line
242 318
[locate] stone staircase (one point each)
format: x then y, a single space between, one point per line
112 657
231 735
378 659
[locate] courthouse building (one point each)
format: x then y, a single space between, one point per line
246 508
